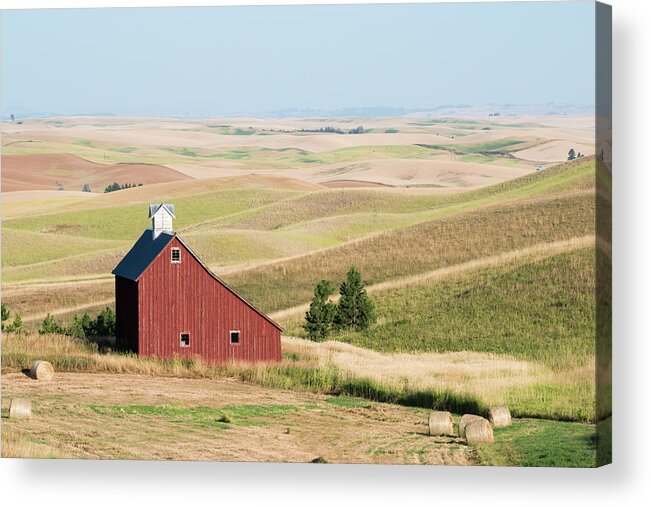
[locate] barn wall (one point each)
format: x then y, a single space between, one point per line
126 314
185 298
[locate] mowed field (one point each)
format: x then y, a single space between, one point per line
481 269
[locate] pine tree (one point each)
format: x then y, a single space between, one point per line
319 320
355 310
5 314
50 326
15 326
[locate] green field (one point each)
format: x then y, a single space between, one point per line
541 444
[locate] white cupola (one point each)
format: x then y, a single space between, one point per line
161 218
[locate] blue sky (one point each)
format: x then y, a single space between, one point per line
229 60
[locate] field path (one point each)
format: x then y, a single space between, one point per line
535 252
69 309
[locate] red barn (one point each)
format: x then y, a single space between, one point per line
169 304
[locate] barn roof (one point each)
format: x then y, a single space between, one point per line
142 254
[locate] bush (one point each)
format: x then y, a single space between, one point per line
82 326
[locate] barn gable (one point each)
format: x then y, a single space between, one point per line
227 287
147 249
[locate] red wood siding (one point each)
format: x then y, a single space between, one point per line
185 298
126 314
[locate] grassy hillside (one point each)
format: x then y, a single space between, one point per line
421 248
78 240
126 221
542 311
304 208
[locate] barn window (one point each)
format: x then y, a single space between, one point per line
185 339
176 255
235 337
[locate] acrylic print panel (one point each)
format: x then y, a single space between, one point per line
329 234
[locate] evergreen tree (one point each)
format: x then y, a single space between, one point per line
571 155
355 310
50 326
5 314
86 188
319 320
104 323
15 326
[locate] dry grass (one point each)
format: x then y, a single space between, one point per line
528 387
139 417
487 376
34 302
461 382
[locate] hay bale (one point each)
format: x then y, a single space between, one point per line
499 417
41 370
464 421
20 408
479 431
440 423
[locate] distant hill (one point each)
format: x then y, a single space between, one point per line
43 171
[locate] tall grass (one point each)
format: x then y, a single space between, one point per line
69 354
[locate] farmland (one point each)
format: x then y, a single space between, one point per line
481 269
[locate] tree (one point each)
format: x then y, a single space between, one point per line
104 324
355 311
15 326
320 319
86 188
571 155
50 326
5 314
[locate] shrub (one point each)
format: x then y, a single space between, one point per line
82 326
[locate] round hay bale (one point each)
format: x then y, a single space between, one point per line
41 370
479 431
20 408
499 417
440 423
464 421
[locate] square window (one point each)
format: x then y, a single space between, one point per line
185 339
235 337
176 255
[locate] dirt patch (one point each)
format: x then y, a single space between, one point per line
43 171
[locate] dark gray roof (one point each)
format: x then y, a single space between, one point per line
153 208
142 254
